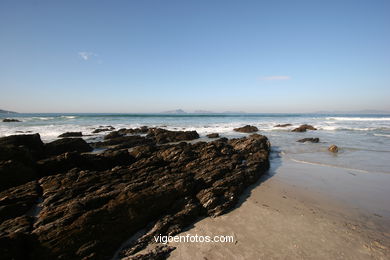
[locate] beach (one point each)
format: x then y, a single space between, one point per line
290 216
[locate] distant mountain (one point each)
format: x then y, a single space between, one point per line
6 112
204 112
177 111
366 112
181 111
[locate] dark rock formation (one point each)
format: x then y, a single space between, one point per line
246 129
71 134
102 130
303 128
283 125
333 148
312 140
97 201
31 142
163 136
9 120
123 142
67 145
213 135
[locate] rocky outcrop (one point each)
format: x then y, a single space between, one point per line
99 130
121 142
9 120
283 125
213 135
311 140
246 129
96 202
71 134
67 145
163 136
303 128
31 142
333 148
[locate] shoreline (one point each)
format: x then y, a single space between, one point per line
278 218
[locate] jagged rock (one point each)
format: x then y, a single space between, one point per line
67 145
163 136
246 129
9 120
333 148
283 125
13 173
303 128
67 161
124 142
102 130
141 130
213 135
312 140
88 214
71 134
114 134
32 142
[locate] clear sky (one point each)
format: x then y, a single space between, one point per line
152 56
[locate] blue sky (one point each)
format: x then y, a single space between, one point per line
151 56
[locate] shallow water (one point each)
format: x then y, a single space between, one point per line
364 140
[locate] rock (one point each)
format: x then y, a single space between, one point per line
67 161
14 173
67 145
31 142
283 125
312 140
303 128
246 129
8 120
16 222
17 201
333 148
89 213
141 130
114 134
124 142
162 136
71 134
213 135
102 130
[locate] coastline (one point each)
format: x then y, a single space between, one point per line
310 204
281 217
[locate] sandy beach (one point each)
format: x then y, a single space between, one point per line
300 211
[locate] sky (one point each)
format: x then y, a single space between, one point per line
220 55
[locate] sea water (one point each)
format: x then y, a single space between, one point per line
364 140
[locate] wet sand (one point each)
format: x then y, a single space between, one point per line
301 211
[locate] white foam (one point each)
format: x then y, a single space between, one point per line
382 135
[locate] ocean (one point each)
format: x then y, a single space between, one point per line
364 140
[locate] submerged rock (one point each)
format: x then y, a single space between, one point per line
303 128
97 202
283 125
99 130
312 140
333 148
71 134
246 129
213 135
9 120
